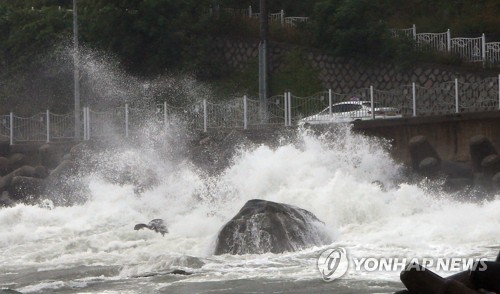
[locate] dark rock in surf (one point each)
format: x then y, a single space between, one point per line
180 272
457 170
5 199
157 225
9 291
480 147
17 160
429 167
264 226
25 188
483 275
4 166
64 185
40 172
4 147
50 155
491 164
420 149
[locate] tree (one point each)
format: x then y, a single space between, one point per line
352 28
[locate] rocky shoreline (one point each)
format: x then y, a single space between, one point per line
26 173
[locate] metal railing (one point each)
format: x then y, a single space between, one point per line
469 49
243 113
277 17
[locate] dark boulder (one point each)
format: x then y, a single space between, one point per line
4 147
491 164
482 275
25 188
457 170
40 172
4 166
17 160
24 171
264 226
420 149
480 147
5 199
50 155
429 167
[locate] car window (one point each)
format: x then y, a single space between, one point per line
346 108
368 104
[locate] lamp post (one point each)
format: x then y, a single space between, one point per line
76 74
263 61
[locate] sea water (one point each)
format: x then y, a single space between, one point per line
347 180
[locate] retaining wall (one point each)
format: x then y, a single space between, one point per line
344 76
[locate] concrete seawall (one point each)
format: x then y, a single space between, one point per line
448 134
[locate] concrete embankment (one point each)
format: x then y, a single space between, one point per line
449 134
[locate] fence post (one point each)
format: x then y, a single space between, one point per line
250 11
282 15
205 118
165 114
330 100
11 127
84 124
372 102
414 98
457 106
414 29
289 108
126 120
88 123
285 107
245 109
448 40
48 125
483 48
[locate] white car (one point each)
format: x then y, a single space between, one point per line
350 111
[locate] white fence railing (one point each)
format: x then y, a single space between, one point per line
243 113
277 17
469 49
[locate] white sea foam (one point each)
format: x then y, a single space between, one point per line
332 179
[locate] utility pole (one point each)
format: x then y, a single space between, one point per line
76 71
264 27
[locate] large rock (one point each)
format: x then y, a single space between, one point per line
480 147
421 149
17 160
264 226
25 188
4 166
50 155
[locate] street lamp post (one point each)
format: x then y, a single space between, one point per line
263 79
76 75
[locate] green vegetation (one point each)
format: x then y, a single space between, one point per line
152 37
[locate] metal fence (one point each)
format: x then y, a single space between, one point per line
243 112
277 17
469 49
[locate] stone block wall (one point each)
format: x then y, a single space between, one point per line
344 76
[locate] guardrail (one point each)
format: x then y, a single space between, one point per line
243 112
